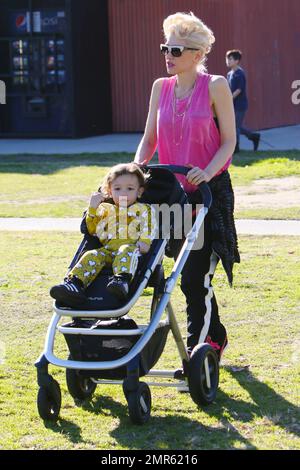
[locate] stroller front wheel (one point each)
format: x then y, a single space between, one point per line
80 388
49 401
139 404
203 374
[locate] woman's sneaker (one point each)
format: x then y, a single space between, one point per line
119 285
219 347
70 293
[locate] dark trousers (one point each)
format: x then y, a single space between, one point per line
239 118
202 308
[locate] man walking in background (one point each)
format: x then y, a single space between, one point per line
237 81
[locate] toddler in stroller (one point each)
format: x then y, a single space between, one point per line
125 229
106 346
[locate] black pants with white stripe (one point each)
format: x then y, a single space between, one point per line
202 308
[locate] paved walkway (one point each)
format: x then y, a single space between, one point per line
281 138
244 226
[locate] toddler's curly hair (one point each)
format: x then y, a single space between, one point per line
120 170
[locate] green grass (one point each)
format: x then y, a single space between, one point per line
257 405
249 166
286 213
60 185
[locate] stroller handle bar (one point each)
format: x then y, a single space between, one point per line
183 170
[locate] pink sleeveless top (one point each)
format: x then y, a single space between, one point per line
193 138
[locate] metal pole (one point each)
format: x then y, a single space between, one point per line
177 334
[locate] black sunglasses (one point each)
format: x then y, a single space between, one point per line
176 51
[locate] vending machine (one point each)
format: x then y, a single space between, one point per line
55 67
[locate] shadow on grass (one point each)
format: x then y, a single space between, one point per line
67 428
50 164
172 431
268 403
178 431
175 430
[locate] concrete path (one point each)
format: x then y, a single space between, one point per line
244 226
281 138
268 227
101 144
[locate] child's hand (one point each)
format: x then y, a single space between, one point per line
143 247
96 199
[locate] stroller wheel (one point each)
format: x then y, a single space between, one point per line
49 401
81 388
139 404
203 374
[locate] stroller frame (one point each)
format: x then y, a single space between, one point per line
184 381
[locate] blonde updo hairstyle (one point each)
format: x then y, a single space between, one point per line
187 27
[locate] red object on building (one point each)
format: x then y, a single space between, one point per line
266 31
20 21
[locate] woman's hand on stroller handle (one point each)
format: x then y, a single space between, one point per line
196 175
184 170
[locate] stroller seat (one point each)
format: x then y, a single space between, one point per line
162 188
99 298
106 346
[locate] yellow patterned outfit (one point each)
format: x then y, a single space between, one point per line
119 229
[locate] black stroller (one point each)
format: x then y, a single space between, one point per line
107 346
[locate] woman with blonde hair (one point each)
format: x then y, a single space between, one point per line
191 122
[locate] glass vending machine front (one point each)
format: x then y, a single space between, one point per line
38 68
55 72
20 64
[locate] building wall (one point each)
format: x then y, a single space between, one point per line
267 32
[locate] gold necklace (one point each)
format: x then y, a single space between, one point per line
180 114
